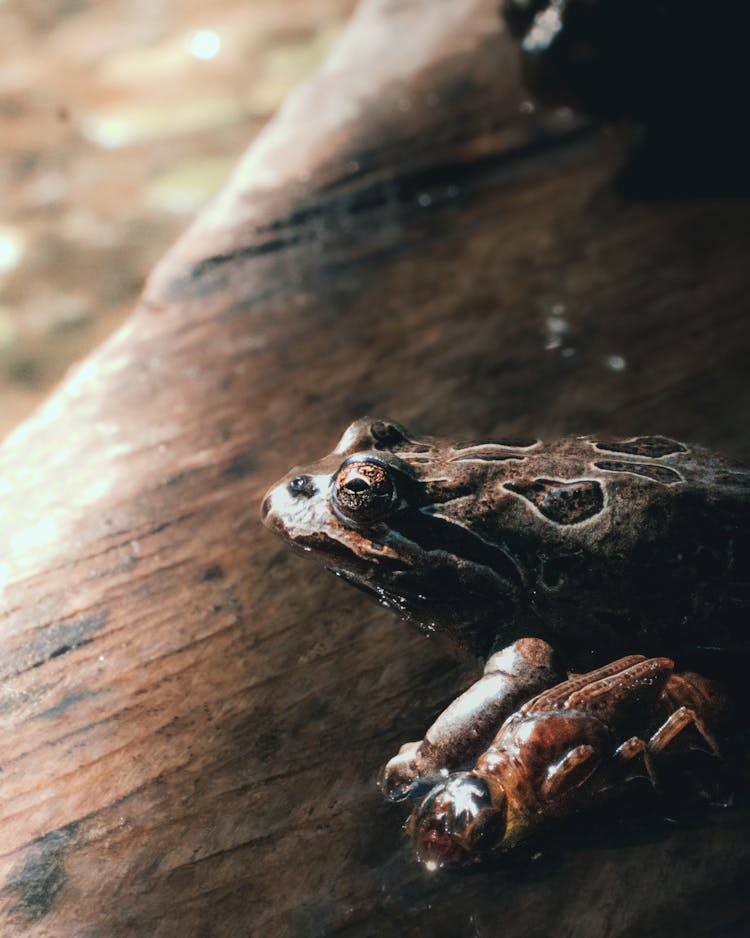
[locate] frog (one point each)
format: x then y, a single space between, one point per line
595 546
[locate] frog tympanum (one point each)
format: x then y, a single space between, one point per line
598 547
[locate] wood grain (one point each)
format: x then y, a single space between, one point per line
192 719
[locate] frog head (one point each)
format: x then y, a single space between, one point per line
403 519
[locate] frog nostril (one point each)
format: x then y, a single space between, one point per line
302 485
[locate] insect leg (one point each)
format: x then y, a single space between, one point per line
675 724
635 748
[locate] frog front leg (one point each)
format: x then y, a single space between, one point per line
467 726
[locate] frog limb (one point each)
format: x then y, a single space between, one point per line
467 726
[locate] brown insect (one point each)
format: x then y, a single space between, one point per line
568 745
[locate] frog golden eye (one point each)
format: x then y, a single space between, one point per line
363 492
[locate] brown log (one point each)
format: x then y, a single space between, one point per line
192 718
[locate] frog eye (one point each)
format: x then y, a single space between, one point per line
363 491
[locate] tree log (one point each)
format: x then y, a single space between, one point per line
192 718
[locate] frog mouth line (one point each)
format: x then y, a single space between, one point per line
452 545
332 549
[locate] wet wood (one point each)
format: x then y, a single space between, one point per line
193 719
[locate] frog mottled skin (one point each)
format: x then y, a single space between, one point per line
602 547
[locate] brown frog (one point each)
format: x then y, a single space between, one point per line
600 547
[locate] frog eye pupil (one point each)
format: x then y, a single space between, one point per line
357 485
362 492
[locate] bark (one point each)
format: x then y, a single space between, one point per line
192 718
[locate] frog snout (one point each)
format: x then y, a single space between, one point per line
280 499
301 487
265 507
292 508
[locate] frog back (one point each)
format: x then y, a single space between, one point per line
641 544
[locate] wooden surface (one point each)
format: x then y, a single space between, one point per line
192 718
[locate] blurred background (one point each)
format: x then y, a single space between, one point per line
119 119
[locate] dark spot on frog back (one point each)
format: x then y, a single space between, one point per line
653 447
656 473
559 501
